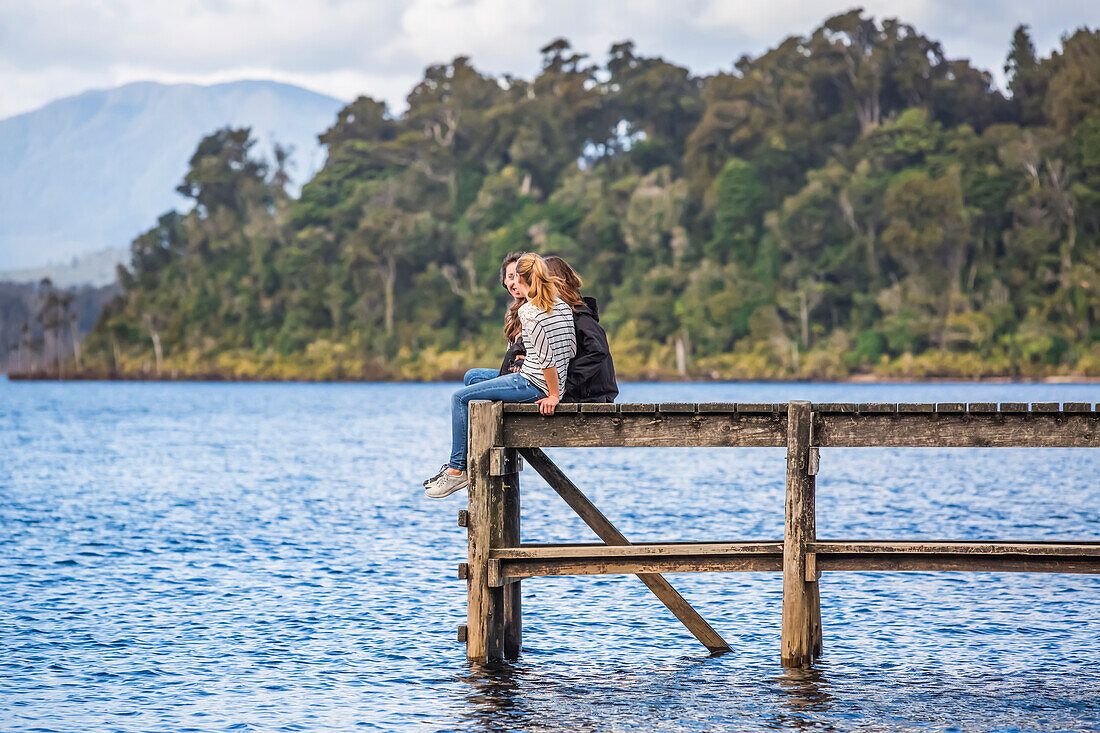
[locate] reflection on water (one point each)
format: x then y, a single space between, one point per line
804 699
212 557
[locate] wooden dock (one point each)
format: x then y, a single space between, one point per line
497 561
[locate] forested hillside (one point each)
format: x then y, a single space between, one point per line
853 201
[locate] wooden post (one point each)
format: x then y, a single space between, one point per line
513 603
801 636
484 604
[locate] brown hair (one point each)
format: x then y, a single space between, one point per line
569 287
542 287
512 326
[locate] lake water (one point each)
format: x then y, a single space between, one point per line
262 557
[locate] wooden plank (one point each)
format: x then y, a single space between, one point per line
519 408
842 407
800 637
931 562
607 532
981 407
877 407
815 461
1077 407
646 429
513 595
753 408
599 407
1013 407
463 518
1000 430
462 633
484 603
956 547
642 567
950 407
638 407
504 461
676 407
536 552
728 407
916 407
463 570
812 573
1045 407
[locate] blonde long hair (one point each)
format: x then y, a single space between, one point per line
542 287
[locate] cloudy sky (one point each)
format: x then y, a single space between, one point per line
54 48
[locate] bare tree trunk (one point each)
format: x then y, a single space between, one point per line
74 333
115 352
804 316
157 350
389 277
683 347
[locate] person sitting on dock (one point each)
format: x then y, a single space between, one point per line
546 324
592 372
513 357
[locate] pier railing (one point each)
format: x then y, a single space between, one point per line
497 561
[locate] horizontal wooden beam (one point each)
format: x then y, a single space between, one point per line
956 547
756 408
963 430
652 429
838 427
929 562
528 561
532 568
637 550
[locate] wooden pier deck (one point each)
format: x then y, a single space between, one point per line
497 561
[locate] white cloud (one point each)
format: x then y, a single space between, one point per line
53 48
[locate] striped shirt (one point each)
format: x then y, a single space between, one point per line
550 340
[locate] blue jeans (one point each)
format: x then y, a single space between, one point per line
483 384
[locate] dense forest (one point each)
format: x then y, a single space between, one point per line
41 325
852 202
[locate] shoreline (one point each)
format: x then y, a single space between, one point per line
854 379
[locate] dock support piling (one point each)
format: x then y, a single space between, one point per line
801 634
513 603
485 608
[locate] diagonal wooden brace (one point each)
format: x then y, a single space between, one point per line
607 532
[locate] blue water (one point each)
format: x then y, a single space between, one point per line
261 557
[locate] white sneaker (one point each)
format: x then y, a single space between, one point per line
445 484
442 470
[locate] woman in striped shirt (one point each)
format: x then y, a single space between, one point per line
550 341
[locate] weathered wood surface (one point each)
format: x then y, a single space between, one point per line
928 562
781 407
801 631
964 430
637 550
533 560
645 429
510 465
643 566
946 424
607 532
484 603
957 547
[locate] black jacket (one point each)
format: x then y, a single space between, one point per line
591 372
515 349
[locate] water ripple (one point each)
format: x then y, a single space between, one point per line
260 557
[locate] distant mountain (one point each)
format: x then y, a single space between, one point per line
95 269
90 172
